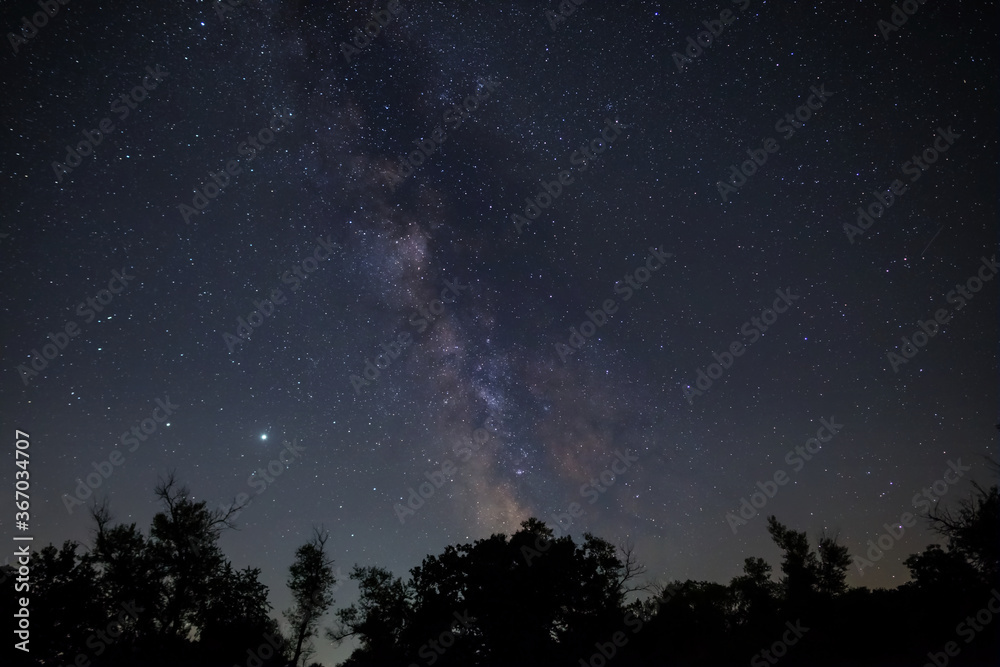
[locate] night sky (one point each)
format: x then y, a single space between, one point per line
257 168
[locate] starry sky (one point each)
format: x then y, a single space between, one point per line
473 275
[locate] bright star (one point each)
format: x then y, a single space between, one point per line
263 436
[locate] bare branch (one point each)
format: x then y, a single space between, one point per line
631 569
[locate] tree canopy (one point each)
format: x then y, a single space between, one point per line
171 597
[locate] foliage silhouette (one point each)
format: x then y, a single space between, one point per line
311 581
170 597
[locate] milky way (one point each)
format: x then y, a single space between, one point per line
452 215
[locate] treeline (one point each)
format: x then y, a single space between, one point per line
170 597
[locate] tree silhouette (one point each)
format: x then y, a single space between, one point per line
310 580
798 563
527 599
378 618
183 539
67 596
522 600
128 572
971 530
236 611
831 576
164 599
755 595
